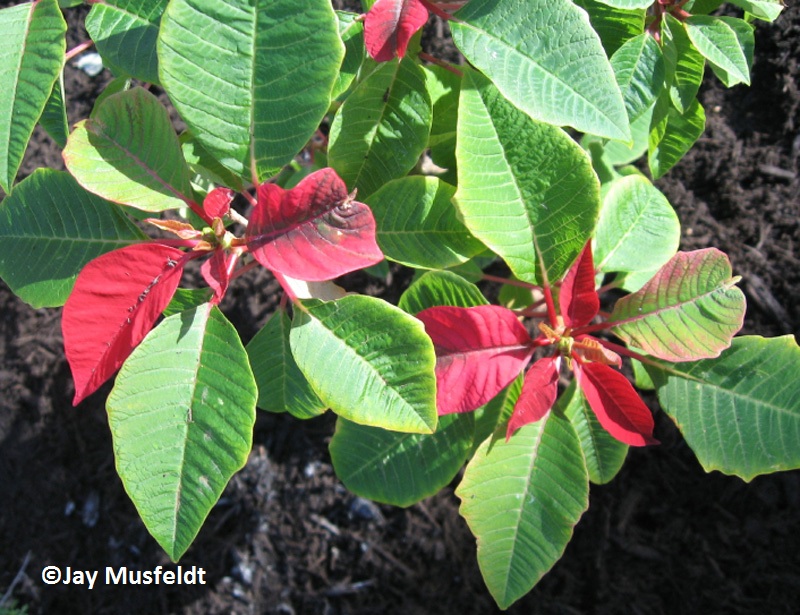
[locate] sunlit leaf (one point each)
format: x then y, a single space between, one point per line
389 26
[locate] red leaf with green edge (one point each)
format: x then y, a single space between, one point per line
216 273
618 407
539 392
479 350
578 298
313 232
218 202
689 310
115 302
389 26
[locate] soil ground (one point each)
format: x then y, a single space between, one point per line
286 537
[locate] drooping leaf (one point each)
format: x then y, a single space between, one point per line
50 228
443 87
739 413
638 229
691 309
382 128
313 232
31 59
440 288
282 387
400 468
355 354
685 65
640 72
250 75
578 298
673 136
389 26
604 454
116 300
351 30
524 186
613 25
546 59
521 500
418 225
768 10
119 26
539 391
615 403
727 43
181 430
479 351
54 116
128 152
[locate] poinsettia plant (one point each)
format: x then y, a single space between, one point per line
322 142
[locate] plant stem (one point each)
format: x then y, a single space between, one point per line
445 65
519 283
77 50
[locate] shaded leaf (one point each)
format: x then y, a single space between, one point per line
673 136
351 30
54 116
116 300
313 232
640 72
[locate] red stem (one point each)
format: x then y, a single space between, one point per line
77 50
244 269
445 65
176 243
493 278
437 10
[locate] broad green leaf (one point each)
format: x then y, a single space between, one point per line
400 468
50 228
117 85
690 310
181 414
418 225
544 56
638 229
639 69
282 387
522 184
128 152
498 411
768 10
351 30
54 116
613 25
443 87
522 499
685 65
616 153
440 288
31 58
604 454
206 168
739 413
674 136
125 33
187 299
368 361
382 128
250 75
727 43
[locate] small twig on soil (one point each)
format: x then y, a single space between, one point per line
771 169
323 522
7 596
349 588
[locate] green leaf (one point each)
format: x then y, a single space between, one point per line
282 387
522 499
50 228
638 229
604 454
54 116
205 167
544 56
639 69
689 310
418 226
739 413
522 184
124 33
181 415
685 65
440 288
352 33
614 26
250 75
368 361
31 59
727 43
400 468
674 136
382 128
128 152
768 10
443 87
187 299
497 411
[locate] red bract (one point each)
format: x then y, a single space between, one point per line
539 392
316 231
115 302
218 202
216 271
479 351
578 298
389 26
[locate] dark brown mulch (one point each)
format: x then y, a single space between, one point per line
286 537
